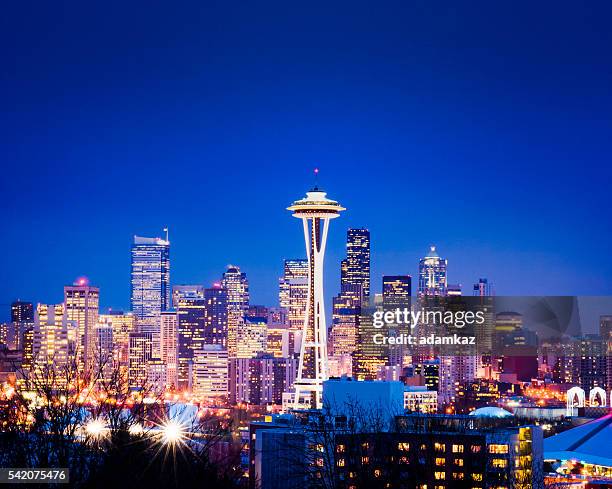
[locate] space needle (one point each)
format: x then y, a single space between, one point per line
315 211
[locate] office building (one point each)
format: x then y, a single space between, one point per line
483 288
261 380
355 268
396 291
237 289
52 347
210 374
141 347
150 279
215 321
103 351
191 335
252 336
169 346
181 291
432 274
81 304
122 323
293 292
418 399
22 312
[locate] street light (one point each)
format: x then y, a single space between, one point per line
95 428
172 433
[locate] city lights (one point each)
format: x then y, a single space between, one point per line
95 428
172 433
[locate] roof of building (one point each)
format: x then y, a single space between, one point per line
491 412
588 443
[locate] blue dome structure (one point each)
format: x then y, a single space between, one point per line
491 412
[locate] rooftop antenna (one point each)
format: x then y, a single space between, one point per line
167 236
316 177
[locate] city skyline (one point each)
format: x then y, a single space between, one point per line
178 306
518 143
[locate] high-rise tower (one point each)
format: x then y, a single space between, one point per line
293 292
150 279
81 302
355 268
315 211
432 274
237 286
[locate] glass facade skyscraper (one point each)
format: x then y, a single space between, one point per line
237 286
432 274
150 278
293 292
355 268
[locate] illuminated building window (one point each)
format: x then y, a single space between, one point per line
440 461
377 473
341 462
457 448
459 462
476 448
496 448
439 447
458 475
341 448
477 477
499 463
403 446
404 460
365 460
319 462
439 475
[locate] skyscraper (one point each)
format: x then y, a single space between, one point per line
22 321
432 274
315 211
180 291
191 335
293 292
210 373
123 324
355 268
103 358
252 337
215 322
169 345
81 303
396 290
140 355
150 278
354 291
22 312
237 286
483 288
51 347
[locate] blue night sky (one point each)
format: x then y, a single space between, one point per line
484 127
